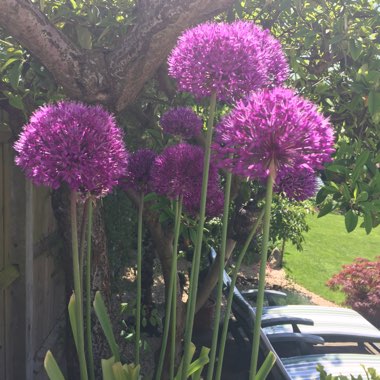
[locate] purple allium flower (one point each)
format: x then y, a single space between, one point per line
138 171
273 126
75 144
214 201
231 59
297 185
181 121
179 171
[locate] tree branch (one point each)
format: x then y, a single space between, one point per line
32 29
159 23
113 78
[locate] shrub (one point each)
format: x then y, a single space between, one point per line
360 282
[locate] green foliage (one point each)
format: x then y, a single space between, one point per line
288 221
333 49
370 375
353 186
327 247
288 224
121 225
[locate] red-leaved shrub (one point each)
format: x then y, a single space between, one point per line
360 282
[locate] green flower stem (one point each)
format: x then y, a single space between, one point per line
227 193
138 279
90 355
197 254
260 294
77 286
173 317
83 229
169 298
223 337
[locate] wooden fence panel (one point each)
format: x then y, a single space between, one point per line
32 282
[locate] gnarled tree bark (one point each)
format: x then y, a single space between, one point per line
114 77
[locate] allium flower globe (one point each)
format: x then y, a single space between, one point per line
298 185
138 171
178 171
275 127
75 144
181 121
229 59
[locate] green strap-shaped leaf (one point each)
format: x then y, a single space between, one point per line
107 368
195 369
52 368
105 322
118 372
265 368
191 354
133 372
73 321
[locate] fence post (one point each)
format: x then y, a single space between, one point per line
8 272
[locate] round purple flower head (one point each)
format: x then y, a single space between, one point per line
75 144
273 127
178 171
214 201
138 171
181 121
297 185
231 59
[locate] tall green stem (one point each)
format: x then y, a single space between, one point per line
139 265
169 299
223 337
197 254
83 230
77 286
173 317
90 355
260 293
222 253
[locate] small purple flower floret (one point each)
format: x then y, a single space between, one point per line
178 171
229 59
181 121
297 185
75 144
138 171
274 127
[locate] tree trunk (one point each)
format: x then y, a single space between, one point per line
99 273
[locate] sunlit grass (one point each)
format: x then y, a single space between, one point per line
328 246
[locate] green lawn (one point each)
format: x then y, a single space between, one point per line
328 246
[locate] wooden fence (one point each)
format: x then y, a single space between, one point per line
32 282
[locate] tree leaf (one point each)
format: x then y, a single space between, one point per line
362 159
362 197
368 223
84 37
321 196
351 220
8 63
374 105
355 49
327 208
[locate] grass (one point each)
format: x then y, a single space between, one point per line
327 247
